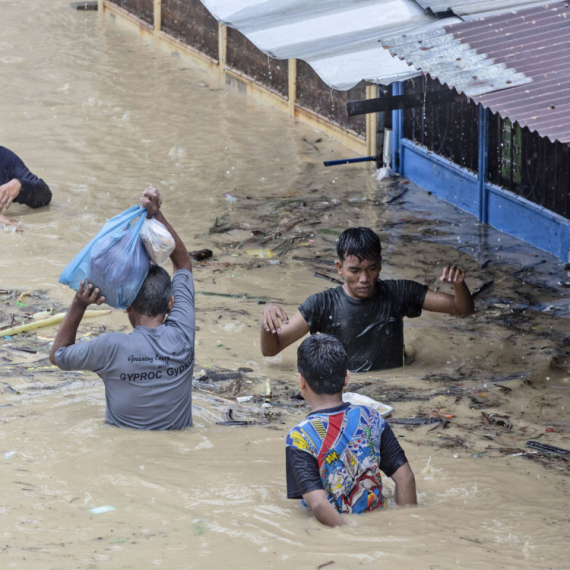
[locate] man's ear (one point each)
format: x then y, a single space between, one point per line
302 382
347 379
339 268
170 303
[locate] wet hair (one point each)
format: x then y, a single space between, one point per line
323 362
360 242
154 295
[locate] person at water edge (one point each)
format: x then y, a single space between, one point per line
19 185
148 372
334 456
365 313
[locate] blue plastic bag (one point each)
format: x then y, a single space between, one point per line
115 260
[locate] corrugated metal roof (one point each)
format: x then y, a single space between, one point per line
516 63
339 39
469 7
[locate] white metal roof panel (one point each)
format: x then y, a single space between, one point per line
339 39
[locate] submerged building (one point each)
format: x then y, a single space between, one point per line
468 99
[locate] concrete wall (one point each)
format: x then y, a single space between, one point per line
186 28
190 22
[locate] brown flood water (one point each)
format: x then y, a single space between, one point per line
100 115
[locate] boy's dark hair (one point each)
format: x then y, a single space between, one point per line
154 295
323 362
360 242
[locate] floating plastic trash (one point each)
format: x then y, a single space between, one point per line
260 253
361 400
102 510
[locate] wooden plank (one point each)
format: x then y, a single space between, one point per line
408 101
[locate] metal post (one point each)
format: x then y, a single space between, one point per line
397 131
483 163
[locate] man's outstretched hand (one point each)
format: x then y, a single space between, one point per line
8 192
152 201
272 314
452 275
88 295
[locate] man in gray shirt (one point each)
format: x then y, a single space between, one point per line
147 373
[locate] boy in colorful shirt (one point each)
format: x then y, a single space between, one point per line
334 457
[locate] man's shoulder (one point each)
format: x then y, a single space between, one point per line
299 436
7 154
399 287
324 296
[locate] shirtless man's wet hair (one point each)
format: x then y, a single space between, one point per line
363 243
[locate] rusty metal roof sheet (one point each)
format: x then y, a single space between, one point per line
469 7
516 63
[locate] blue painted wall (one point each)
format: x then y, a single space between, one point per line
496 206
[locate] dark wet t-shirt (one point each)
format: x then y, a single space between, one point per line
34 192
372 330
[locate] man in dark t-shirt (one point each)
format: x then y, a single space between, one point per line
19 185
365 313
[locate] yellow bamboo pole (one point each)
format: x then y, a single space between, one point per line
292 84
46 323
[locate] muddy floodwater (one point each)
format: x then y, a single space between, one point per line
100 115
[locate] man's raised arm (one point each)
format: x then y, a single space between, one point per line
460 303
276 336
67 331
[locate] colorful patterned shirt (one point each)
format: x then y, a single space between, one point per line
342 451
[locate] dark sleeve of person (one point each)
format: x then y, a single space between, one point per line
302 473
392 456
411 296
312 309
34 193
